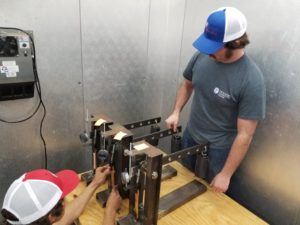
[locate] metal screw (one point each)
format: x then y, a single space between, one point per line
154 175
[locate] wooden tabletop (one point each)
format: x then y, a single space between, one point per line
209 208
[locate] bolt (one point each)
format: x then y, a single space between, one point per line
154 175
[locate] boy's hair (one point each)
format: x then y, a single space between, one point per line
57 211
37 193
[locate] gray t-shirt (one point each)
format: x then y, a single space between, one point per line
223 93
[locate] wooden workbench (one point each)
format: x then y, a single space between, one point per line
209 208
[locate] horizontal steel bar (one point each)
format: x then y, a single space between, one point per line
157 135
183 153
143 123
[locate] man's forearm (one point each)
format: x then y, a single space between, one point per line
184 92
237 153
240 146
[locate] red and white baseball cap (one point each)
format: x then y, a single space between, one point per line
35 193
223 25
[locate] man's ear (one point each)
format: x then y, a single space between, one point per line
52 218
237 42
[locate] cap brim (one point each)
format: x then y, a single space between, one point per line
207 46
69 180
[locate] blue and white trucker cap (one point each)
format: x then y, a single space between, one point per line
223 25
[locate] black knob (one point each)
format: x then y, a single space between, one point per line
103 157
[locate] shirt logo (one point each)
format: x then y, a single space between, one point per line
221 93
216 90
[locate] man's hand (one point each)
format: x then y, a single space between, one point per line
172 121
101 174
220 183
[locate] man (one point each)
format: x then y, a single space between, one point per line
37 198
229 96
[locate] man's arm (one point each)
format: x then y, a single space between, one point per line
184 93
73 209
239 148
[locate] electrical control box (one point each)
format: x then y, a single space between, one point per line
17 76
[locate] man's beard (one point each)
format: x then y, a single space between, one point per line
228 54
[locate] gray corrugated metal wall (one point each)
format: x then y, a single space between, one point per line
56 30
125 58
